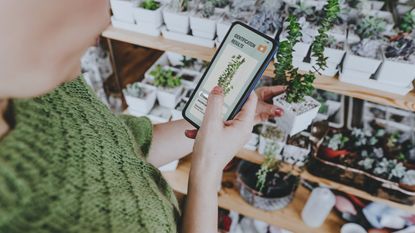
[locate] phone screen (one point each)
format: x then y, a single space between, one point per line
236 65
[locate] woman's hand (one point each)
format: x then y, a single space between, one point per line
217 141
265 109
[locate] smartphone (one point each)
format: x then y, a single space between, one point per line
237 66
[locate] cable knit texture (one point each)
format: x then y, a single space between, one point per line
71 165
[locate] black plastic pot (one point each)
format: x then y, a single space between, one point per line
277 194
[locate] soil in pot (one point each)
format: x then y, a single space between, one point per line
278 185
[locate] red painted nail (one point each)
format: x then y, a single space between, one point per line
279 112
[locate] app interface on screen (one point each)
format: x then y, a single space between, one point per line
238 61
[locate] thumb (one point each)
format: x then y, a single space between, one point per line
213 114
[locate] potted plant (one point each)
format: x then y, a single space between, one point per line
176 16
123 11
267 18
225 79
159 114
264 186
140 97
148 16
169 84
397 57
335 146
408 181
370 29
297 150
222 26
271 138
203 21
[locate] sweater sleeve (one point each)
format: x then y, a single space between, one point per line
142 130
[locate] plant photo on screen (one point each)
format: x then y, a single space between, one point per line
225 79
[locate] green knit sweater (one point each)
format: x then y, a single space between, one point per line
70 165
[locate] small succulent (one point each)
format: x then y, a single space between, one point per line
391 169
180 5
367 163
135 90
150 5
337 141
220 3
165 78
371 27
208 9
402 48
272 132
409 178
408 22
265 21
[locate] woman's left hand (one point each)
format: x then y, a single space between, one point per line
265 109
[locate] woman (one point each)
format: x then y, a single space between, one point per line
67 164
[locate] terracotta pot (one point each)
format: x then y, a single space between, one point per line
332 154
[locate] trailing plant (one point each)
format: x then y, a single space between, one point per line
301 85
228 74
150 5
135 90
408 22
270 164
165 78
331 11
371 27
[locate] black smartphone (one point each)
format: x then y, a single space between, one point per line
237 66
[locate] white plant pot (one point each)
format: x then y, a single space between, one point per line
334 58
297 116
203 27
396 73
123 10
222 29
301 49
175 59
296 155
142 105
187 38
171 167
190 73
169 97
125 26
159 115
148 18
263 142
354 63
176 21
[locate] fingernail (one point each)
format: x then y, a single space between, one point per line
217 90
279 112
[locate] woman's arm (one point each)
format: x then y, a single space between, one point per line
172 144
216 144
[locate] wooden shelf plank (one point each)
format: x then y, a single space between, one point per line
325 83
255 157
288 218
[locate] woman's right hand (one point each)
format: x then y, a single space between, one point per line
217 142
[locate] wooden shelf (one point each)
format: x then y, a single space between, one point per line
255 157
288 218
324 83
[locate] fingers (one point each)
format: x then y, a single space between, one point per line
213 115
265 93
266 111
191 133
247 114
